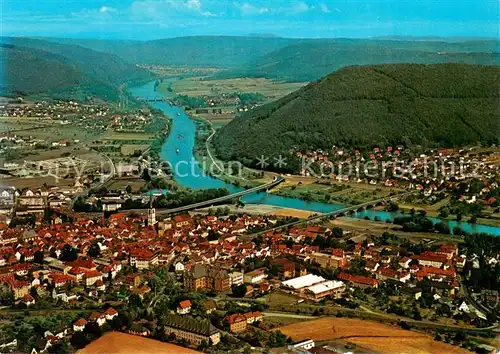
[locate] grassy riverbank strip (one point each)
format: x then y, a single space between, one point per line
232 173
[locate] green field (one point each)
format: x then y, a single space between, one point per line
341 193
199 86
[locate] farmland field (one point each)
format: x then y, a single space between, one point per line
121 184
369 335
21 183
197 86
129 136
121 343
130 149
217 120
40 128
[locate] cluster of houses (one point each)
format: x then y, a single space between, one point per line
181 241
429 172
27 201
208 254
131 122
50 339
52 110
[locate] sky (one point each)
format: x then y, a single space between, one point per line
152 19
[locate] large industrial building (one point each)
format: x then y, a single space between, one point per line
313 287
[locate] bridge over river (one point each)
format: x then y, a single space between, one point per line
335 213
165 212
263 187
154 99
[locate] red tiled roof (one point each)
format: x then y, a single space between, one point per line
185 304
181 218
95 316
142 254
80 322
357 279
236 318
83 263
111 312
28 298
431 257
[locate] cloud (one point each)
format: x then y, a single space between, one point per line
100 14
248 9
161 8
300 7
106 9
324 8
251 9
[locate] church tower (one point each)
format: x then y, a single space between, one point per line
151 213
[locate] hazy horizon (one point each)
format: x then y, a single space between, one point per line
253 35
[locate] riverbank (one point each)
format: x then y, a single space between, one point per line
205 155
179 148
263 209
329 191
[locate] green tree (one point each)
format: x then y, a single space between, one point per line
444 212
6 295
239 290
94 250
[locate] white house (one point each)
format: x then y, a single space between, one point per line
184 307
110 314
79 325
179 267
97 317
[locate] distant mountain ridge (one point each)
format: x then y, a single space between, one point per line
311 60
361 106
293 59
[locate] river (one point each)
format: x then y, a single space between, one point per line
178 150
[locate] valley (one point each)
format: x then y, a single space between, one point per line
248 194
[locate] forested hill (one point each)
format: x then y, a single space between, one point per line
35 66
28 71
441 104
312 60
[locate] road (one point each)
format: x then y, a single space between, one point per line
472 302
207 146
288 315
212 159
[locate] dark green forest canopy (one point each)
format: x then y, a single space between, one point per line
31 66
361 106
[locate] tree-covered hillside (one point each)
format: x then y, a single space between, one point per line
316 58
28 71
432 105
37 66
